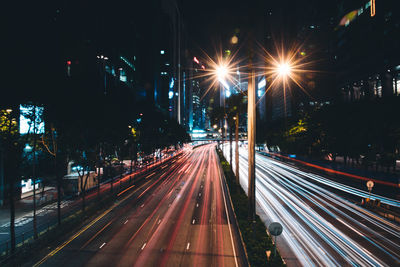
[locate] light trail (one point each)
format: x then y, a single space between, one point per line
320 227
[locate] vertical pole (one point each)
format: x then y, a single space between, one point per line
237 148
35 235
179 65
230 145
251 130
58 188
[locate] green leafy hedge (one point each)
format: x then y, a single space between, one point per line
254 234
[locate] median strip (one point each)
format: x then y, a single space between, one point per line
255 237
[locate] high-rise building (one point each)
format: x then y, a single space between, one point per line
196 95
304 32
366 47
169 37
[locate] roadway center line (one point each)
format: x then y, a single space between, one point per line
52 253
193 221
150 175
93 237
144 245
188 246
102 245
120 193
125 221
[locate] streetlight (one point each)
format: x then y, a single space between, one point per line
284 69
281 70
221 72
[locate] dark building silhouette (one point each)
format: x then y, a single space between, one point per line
366 56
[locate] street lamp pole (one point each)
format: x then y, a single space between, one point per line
251 136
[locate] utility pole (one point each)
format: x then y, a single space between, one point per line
237 148
251 136
35 234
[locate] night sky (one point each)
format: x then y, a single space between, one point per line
36 33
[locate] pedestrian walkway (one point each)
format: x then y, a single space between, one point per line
24 206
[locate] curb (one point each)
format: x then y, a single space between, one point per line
234 213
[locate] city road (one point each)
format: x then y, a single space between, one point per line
180 217
321 226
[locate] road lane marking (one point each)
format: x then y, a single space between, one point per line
102 245
188 246
197 205
52 253
144 245
120 193
148 176
199 194
142 205
125 221
72 238
93 237
193 221
159 221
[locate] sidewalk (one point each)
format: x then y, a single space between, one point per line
24 206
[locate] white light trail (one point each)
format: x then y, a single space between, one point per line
320 227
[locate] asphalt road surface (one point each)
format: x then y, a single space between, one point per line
47 215
321 227
181 216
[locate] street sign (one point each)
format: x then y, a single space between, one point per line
370 184
275 229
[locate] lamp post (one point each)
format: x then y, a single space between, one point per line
222 73
251 136
281 70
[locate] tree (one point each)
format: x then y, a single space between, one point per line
34 116
237 106
51 146
12 149
217 115
85 162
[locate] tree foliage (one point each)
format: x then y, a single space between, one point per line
367 131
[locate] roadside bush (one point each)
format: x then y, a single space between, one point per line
254 234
